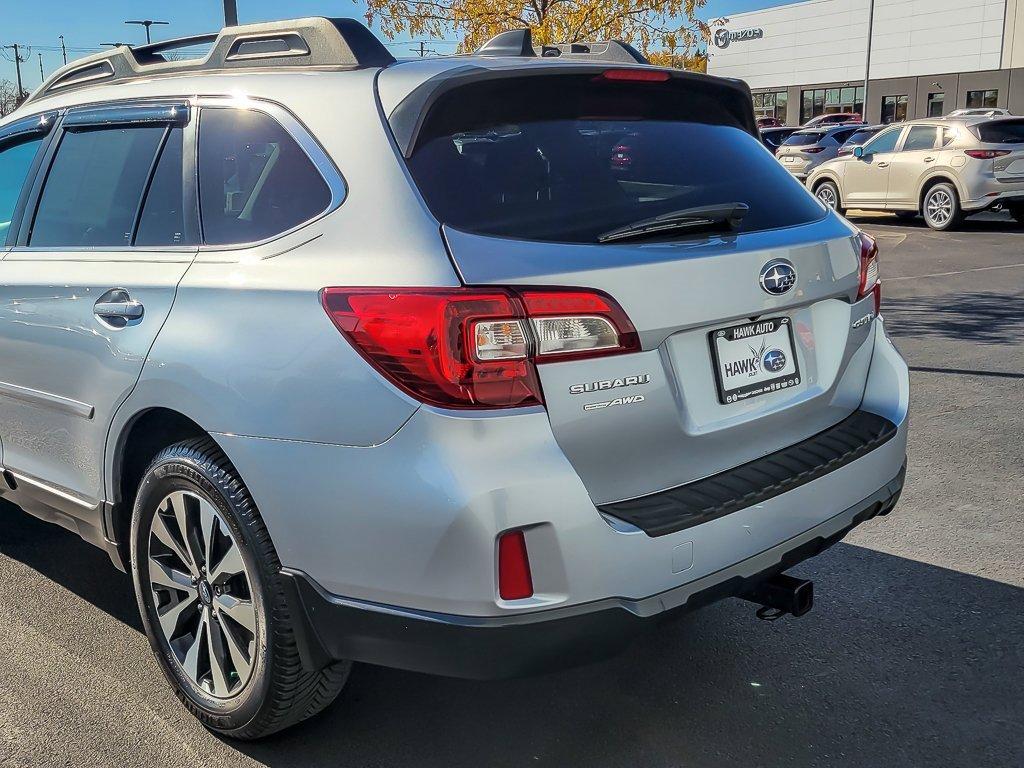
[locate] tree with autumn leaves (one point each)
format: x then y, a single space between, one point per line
667 31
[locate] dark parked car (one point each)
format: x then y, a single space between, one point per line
773 137
858 138
769 122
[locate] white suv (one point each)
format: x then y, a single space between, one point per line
476 366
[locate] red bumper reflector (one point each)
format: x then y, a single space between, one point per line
514 579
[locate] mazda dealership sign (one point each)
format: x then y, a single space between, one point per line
724 37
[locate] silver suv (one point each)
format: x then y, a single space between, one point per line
943 169
808 148
477 366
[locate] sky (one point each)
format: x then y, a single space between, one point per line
86 26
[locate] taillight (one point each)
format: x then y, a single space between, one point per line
515 582
869 277
986 154
813 150
476 347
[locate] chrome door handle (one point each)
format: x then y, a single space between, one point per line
929 159
126 310
117 307
883 165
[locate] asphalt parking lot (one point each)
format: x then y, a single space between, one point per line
913 655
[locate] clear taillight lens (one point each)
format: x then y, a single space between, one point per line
476 347
870 282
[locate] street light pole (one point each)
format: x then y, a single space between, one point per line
230 13
867 60
147 23
63 49
42 77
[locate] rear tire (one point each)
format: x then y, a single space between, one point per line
1017 212
828 195
213 605
941 207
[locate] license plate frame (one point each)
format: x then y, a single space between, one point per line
771 329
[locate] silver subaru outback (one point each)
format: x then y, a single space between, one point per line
476 366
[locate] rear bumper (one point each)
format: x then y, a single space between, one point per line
330 627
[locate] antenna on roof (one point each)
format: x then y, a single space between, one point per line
516 42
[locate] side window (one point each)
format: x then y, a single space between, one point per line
15 162
841 136
948 134
254 179
883 142
163 219
920 137
94 187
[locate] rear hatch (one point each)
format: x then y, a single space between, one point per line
1004 140
745 332
801 149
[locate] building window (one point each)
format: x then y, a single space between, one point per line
978 99
771 104
894 109
829 101
936 104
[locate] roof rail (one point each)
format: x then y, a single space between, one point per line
519 42
309 42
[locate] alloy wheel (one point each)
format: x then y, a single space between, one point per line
939 207
202 594
827 195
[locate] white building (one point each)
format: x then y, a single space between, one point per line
928 57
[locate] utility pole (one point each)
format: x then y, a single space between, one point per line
19 59
147 23
42 77
63 49
230 13
422 50
867 60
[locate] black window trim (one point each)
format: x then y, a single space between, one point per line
169 111
299 133
18 132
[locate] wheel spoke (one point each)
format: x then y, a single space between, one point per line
191 661
170 578
171 616
164 536
215 650
209 524
239 657
179 503
242 611
229 565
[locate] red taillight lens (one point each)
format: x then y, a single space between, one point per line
986 154
514 579
870 281
636 75
476 347
813 150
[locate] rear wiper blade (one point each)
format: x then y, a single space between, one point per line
724 215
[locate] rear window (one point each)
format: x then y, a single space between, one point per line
1001 132
859 137
567 158
804 139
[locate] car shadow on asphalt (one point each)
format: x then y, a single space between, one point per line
998 222
900 663
980 316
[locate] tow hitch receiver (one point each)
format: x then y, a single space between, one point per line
782 594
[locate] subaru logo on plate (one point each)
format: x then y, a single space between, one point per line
777 277
774 360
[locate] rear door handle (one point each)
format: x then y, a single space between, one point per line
118 308
929 159
883 165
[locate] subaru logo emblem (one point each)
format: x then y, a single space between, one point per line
774 360
777 277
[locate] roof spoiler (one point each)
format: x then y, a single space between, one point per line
519 43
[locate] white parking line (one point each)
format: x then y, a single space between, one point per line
958 272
